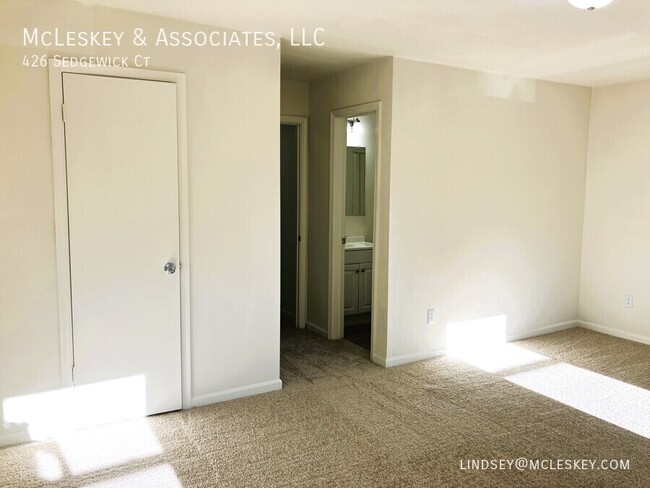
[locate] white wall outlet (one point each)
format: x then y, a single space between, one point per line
629 301
431 316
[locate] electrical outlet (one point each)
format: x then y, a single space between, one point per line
431 316
629 301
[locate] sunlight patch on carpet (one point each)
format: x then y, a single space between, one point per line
162 476
48 466
52 413
482 344
613 401
89 450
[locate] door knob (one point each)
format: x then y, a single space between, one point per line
170 268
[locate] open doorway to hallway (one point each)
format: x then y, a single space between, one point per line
293 220
289 239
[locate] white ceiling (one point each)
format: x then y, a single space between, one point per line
546 39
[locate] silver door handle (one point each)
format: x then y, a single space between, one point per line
170 268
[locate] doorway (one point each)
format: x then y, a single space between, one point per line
293 220
360 167
354 162
121 233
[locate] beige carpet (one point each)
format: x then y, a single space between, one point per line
341 421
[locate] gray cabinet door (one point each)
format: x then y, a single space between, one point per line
365 287
351 289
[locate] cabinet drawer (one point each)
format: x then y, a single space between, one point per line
358 256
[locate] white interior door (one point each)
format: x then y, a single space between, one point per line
122 170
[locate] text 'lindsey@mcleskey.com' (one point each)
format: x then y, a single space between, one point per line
528 464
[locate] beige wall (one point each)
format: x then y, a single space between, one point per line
368 83
294 98
486 203
231 93
615 257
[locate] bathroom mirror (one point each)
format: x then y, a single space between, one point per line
355 181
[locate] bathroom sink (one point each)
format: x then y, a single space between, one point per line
349 246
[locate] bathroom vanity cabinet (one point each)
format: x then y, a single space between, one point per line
358 282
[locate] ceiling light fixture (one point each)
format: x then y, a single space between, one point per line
589 4
352 121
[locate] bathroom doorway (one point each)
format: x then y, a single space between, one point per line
293 220
355 157
359 234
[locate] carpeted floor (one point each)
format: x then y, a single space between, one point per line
342 421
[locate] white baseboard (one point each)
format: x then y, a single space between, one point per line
377 359
441 351
14 438
623 334
239 392
317 329
411 358
538 331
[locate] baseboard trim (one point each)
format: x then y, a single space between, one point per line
538 331
239 392
377 359
389 362
441 351
15 438
317 329
622 334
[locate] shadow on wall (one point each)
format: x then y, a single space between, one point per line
508 87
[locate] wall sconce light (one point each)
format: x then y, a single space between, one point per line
352 121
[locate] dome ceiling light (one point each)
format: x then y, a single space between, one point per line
589 4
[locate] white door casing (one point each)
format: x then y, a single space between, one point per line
338 167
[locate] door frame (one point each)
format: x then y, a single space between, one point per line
338 147
303 209
56 71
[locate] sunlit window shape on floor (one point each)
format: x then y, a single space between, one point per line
482 344
48 466
611 400
52 413
162 476
96 448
